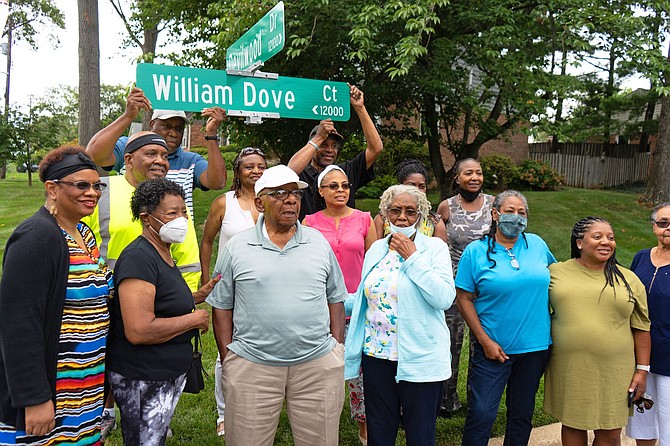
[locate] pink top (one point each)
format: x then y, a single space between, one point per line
347 241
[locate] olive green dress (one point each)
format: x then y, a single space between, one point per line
592 359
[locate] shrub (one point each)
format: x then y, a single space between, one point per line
499 171
375 188
537 175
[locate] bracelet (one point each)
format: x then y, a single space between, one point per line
313 144
645 368
212 138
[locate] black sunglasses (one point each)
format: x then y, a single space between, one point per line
336 186
662 224
84 185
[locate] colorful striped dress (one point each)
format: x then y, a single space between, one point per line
81 358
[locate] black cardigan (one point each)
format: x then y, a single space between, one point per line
32 296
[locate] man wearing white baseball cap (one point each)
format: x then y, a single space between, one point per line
282 285
188 169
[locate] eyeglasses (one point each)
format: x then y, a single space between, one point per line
281 194
662 224
84 185
397 212
644 403
251 150
336 186
512 259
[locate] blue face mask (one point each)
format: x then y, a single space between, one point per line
511 225
408 231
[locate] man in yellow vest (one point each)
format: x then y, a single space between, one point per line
112 223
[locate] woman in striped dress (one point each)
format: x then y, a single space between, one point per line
53 313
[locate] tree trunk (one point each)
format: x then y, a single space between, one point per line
89 71
648 117
3 168
434 145
658 185
148 55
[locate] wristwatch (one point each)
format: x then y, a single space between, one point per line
212 137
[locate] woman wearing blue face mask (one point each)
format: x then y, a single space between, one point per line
502 288
153 317
397 329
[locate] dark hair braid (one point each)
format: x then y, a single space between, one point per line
408 167
612 271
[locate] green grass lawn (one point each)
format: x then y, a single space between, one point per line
551 216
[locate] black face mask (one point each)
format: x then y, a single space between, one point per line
469 196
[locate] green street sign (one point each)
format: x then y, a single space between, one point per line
263 40
192 89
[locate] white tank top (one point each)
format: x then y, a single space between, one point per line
234 221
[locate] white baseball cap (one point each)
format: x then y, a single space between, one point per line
167 114
276 176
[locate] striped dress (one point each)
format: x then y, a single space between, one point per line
81 358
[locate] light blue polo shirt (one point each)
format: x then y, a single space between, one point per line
512 304
279 297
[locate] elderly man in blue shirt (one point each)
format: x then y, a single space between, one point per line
283 288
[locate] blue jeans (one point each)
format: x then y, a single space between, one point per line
384 397
521 374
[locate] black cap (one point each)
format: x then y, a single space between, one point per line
335 135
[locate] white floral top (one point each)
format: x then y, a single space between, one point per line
381 317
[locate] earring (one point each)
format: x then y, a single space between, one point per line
52 209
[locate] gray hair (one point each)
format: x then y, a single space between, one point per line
422 203
502 196
654 212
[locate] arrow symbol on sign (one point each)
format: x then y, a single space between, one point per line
314 109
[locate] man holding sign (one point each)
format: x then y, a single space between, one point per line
324 145
188 169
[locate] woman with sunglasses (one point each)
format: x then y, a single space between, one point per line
350 233
502 288
397 331
230 214
53 313
600 357
652 266
412 172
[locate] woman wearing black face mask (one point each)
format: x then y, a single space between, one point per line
510 322
153 317
467 217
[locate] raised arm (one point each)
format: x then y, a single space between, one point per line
215 176
304 156
374 142
101 146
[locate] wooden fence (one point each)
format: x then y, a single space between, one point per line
594 165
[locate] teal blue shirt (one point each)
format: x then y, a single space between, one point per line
512 304
279 297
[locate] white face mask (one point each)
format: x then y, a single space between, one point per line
173 231
409 231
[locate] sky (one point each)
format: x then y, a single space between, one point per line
35 72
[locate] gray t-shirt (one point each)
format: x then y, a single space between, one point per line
464 226
279 297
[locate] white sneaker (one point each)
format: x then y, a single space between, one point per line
220 429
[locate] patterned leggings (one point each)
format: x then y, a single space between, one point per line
146 407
